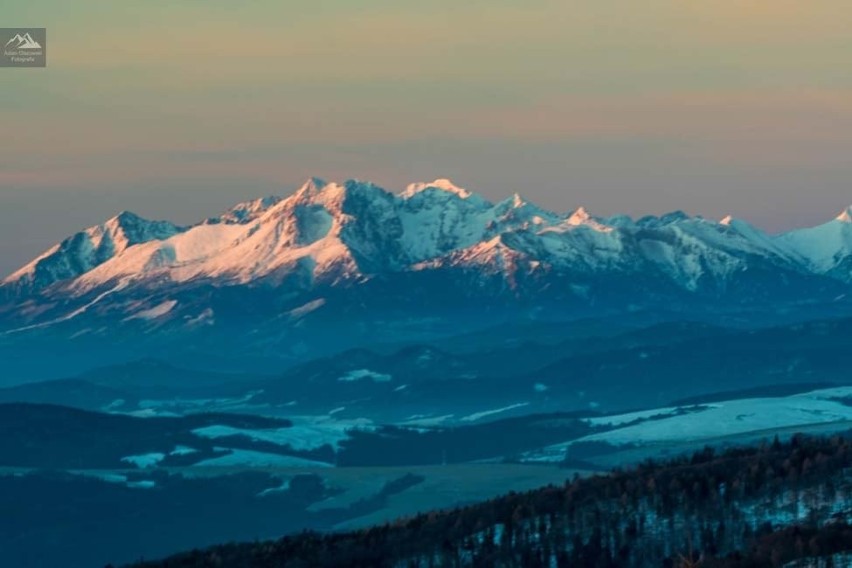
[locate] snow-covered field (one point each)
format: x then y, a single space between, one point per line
365 374
307 432
118 478
707 422
144 461
486 413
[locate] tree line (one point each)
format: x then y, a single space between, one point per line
757 506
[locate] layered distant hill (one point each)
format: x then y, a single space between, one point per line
340 265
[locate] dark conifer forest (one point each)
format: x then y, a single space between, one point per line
769 505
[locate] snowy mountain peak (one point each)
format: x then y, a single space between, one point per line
336 234
845 215
88 249
442 183
579 217
311 187
246 212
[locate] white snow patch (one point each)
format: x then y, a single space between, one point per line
206 317
442 184
157 311
619 419
307 433
285 486
425 420
727 418
711 421
365 374
307 308
479 415
144 461
182 451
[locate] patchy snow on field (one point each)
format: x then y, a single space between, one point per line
426 420
732 417
307 432
117 478
621 419
284 486
480 415
157 311
251 458
710 421
143 484
365 375
835 392
182 451
144 461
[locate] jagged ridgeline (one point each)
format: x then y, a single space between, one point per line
267 278
326 232
763 506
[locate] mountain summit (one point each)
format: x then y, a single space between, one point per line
442 184
86 250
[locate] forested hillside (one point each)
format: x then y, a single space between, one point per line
760 506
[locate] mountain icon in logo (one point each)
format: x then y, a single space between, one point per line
25 41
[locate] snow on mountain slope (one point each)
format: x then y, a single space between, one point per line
443 185
758 240
300 233
88 249
329 233
692 249
322 229
247 211
827 248
581 217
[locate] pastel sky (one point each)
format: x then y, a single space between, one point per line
179 108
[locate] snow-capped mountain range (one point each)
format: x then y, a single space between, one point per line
344 250
356 230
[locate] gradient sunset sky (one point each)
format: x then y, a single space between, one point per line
178 109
